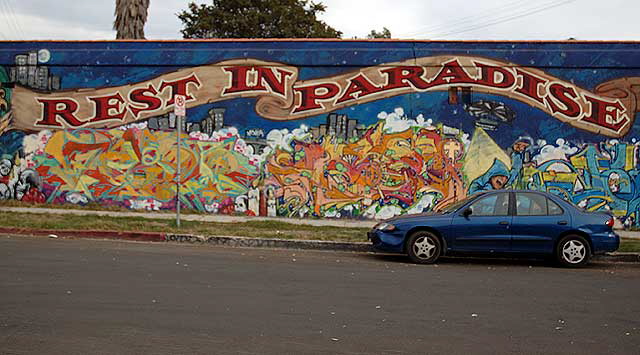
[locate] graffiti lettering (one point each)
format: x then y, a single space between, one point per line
495 76
111 106
240 79
185 238
566 96
609 110
451 73
310 95
530 86
151 102
104 106
400 77
180 87
359 86
54 108
606 114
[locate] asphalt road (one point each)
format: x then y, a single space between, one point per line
105 297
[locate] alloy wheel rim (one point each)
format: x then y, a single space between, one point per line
574 251
424 248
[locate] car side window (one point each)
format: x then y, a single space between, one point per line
492 205
554 209
529 204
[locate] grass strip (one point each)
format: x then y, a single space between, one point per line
628 245
255 229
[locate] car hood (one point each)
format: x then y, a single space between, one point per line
410 217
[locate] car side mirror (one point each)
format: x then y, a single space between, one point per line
467 212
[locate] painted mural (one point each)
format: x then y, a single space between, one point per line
318 129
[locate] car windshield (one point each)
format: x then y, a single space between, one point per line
455 206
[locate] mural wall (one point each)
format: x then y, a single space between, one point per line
333 129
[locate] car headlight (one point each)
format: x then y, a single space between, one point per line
387 227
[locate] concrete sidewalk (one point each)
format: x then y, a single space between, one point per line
628 234
197 217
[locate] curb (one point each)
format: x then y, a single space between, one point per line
229 241
100 234
244 242
270 243
618 258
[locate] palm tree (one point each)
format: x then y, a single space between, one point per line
131 15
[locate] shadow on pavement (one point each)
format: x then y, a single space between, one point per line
485 261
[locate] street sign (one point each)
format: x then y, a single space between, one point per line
180 111
179 108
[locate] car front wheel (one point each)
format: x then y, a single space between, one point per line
424 247
573 251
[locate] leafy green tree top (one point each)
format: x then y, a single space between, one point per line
255 19
385 33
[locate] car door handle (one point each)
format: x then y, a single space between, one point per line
562 223
504 223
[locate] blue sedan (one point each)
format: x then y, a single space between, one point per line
502 221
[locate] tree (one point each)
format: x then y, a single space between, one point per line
385 33
255 19
131 16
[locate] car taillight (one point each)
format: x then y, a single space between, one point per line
610 222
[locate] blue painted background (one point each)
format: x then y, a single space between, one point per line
587 64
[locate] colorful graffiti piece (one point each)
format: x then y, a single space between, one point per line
391 135
135 167
382 170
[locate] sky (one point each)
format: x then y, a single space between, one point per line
406 19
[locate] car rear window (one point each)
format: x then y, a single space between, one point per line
532 204
529 204
554 208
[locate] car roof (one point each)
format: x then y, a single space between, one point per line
555 198
513 190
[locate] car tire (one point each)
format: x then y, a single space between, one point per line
424 247
573 251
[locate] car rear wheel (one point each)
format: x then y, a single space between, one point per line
573 251
424 247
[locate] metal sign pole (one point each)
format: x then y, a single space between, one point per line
178 168
180 113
